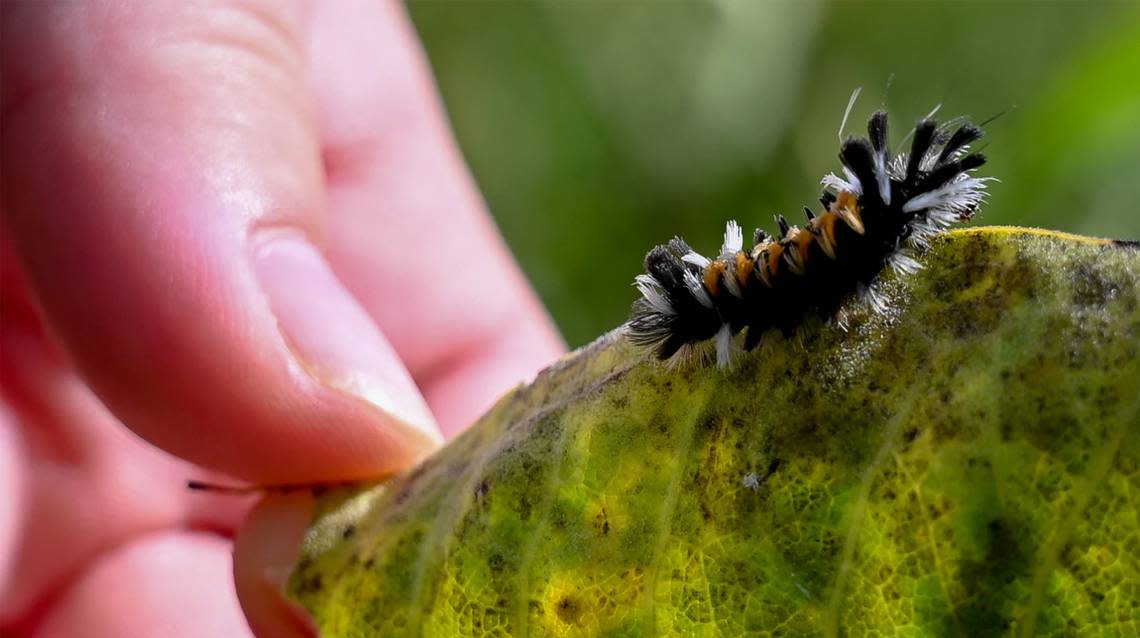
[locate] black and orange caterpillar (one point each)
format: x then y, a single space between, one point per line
875 216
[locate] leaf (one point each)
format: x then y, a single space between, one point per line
967 463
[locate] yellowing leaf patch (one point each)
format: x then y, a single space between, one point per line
965 464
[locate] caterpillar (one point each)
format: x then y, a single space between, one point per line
877 215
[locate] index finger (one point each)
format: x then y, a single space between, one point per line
164 187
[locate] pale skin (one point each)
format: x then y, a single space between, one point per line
239 244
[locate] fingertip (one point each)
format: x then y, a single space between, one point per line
174 584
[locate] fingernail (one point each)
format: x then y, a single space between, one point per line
267 547
330 333
299 622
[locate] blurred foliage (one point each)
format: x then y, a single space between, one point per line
597 130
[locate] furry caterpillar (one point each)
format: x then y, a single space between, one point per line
875 216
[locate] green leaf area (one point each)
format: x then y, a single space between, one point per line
966 463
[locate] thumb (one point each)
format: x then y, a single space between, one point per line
163 183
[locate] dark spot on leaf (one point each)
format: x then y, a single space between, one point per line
1091 289
1006 431
602 522
348 532
569 610
495 562
524 507
558 516
310 585
773 465
989 582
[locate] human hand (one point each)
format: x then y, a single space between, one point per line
224 227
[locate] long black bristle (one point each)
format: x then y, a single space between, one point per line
877 130
966 134
664 266
857 156
949 170
923 137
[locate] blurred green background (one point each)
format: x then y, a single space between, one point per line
597 130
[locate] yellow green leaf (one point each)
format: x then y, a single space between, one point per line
965 464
